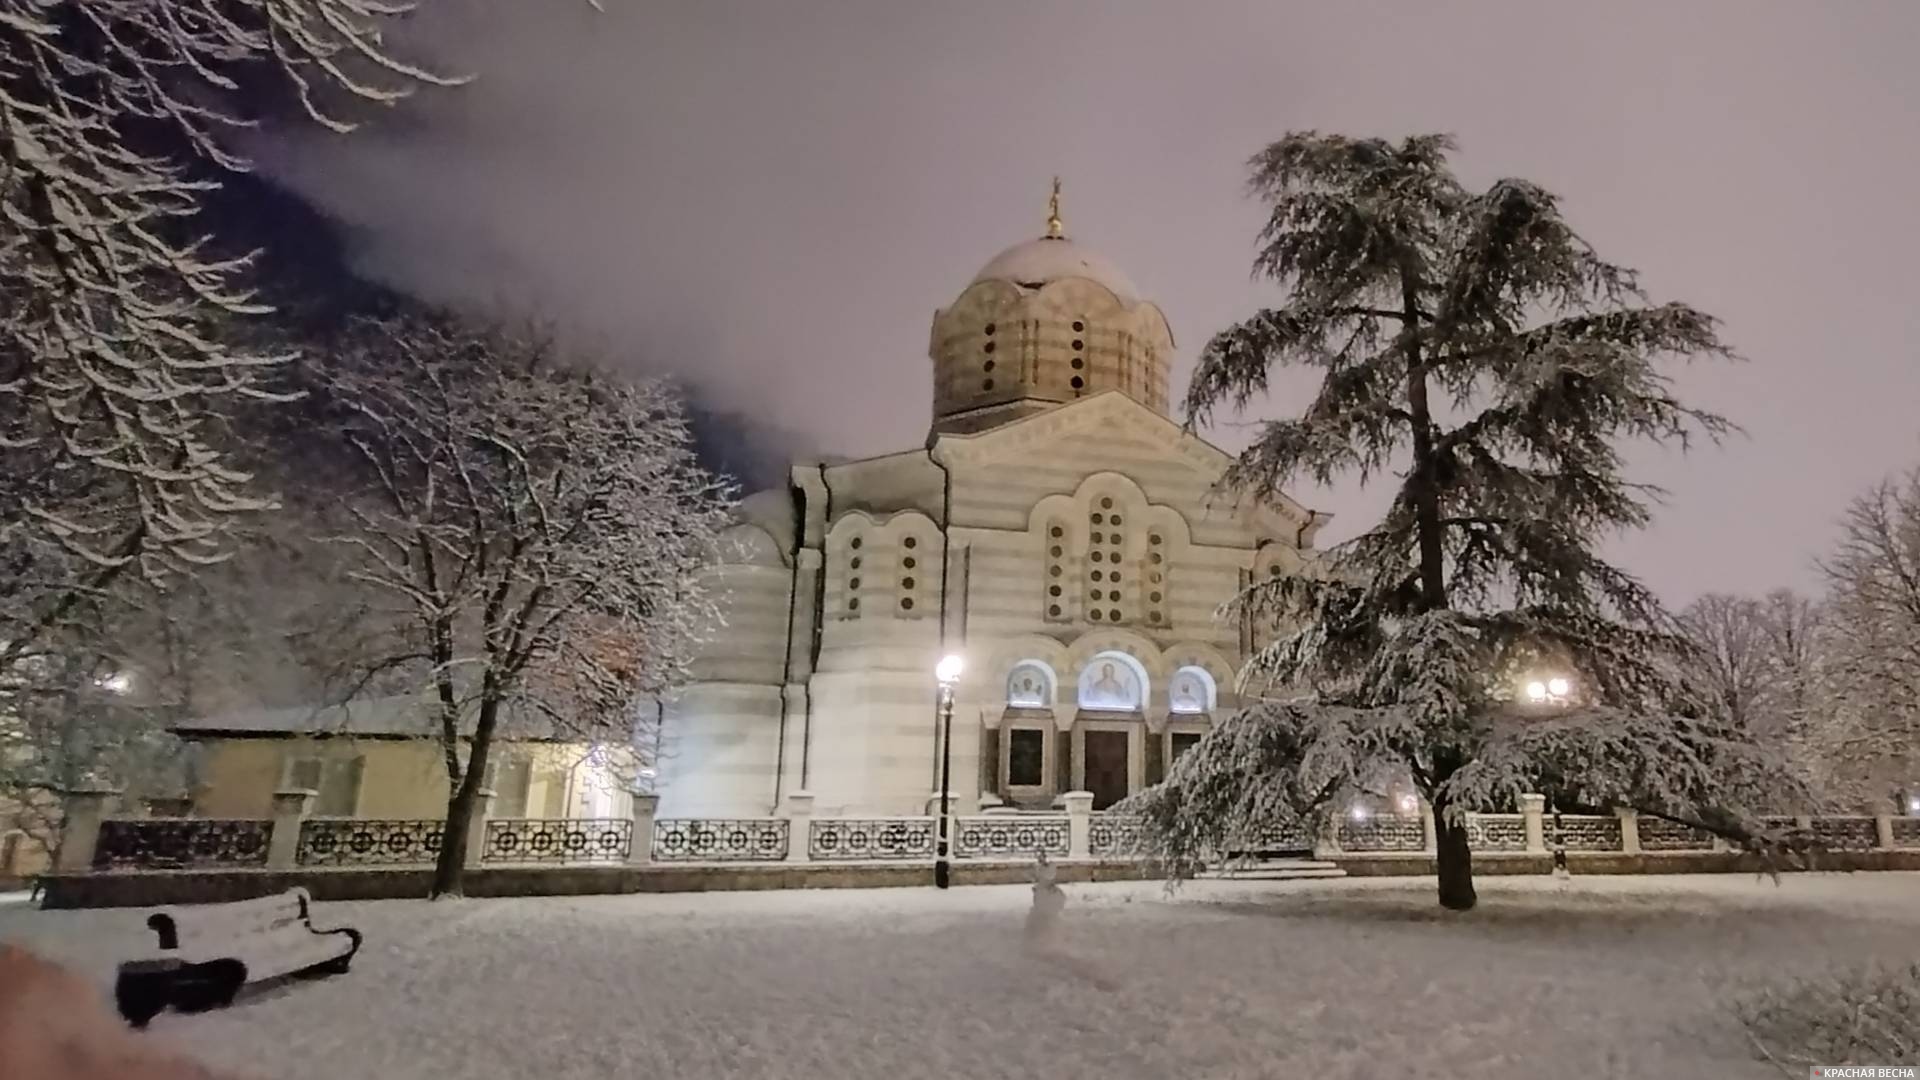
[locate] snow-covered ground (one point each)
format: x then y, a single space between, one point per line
1598 977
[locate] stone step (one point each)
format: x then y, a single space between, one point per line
1278 870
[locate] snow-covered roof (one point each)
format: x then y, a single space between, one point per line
1051 258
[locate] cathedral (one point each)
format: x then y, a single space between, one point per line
1059 532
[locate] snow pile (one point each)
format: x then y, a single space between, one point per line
1613 977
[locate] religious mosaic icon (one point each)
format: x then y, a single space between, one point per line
1187 694
1109 684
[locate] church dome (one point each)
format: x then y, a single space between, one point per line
1034 263
1044 323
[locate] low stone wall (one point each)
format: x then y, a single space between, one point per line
1613 862
154 888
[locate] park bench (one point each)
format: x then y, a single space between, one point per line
209 951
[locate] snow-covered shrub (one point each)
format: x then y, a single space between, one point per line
1869 1017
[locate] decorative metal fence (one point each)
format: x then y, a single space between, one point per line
1294 836
558 840
996 836
180 843
1845 833
871 839
1384 832
720 839
1585 832
1497 832
1906 832
1659 834
1113 835
369 841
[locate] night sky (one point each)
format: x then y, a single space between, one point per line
770 200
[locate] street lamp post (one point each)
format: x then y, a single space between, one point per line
948 673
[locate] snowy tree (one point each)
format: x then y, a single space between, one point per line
1873 610
1475 337
540 531
97 712
115 118
1760 657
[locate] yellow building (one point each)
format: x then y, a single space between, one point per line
379 759
21 853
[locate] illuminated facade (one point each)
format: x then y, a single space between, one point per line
1059 530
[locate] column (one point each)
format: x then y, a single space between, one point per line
1534 807
477 826
800 826
1428 833
1079 824
645 807
1629 829
290 809
80 829
1883 830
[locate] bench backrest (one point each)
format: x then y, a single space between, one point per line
188 928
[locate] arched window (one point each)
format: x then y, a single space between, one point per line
1192 690
1112 682
1030 685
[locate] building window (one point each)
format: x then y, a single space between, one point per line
336 780
1106 544
1026 757
1056 568
1180 742
509 777
849 572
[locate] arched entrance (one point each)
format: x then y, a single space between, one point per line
1109 729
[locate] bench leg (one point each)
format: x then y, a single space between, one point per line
210 985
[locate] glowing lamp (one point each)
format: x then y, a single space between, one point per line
1536 691
949 668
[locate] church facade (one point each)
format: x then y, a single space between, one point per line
1059 531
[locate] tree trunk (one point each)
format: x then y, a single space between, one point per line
1453 859
450 868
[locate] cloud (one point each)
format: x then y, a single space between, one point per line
771 200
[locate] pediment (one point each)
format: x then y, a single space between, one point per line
1113 416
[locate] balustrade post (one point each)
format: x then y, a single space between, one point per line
290 810
1326 843
1534 808
1629 829
477 827
800 826
1883 831
1079 824
1429 833
80 828
1803 822
645 808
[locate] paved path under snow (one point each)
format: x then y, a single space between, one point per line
1601 977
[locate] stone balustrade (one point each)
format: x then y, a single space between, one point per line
293 839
